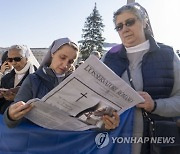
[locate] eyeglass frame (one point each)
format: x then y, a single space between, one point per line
16 59
128 23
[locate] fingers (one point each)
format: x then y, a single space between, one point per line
18 110
21 114
9 96
142 92
141 105
111 122
4 67
148 104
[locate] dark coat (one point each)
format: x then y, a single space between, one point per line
8 82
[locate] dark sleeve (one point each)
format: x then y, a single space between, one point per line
6 82
24 94
4 104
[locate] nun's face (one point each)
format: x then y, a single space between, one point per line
63 59
16 59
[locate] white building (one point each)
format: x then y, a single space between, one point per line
39 53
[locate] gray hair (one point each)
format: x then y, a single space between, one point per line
139 11
23 50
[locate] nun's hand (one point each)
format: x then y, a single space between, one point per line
18 110
111 122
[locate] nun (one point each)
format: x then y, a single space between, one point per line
19 57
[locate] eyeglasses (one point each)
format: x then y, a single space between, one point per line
128 23
16 59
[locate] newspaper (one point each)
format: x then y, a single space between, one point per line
8 92
79 102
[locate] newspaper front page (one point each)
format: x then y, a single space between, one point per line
79 102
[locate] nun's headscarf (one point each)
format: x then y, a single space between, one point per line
25 52
139 11
54 47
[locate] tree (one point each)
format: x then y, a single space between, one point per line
92 34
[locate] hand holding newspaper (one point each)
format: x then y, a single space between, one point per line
79 102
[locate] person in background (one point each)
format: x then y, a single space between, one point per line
79 63
18 57
151 68
6 67
96 53
53 70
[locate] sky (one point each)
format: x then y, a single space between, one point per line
37 23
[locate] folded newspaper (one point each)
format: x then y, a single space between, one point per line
79 102
7 92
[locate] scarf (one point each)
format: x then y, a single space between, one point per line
20 74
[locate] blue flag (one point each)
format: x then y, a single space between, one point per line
30 138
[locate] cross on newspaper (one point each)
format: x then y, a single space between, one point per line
78 102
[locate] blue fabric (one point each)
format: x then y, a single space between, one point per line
158 73
40 86
42 82
29 138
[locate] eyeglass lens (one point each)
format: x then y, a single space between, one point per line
128 23
16 59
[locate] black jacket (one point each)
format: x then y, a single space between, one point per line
8 82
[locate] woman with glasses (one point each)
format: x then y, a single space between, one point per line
151 68
18 57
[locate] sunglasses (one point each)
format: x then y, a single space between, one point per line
16 59
128 23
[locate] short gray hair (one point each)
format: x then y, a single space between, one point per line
23 50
